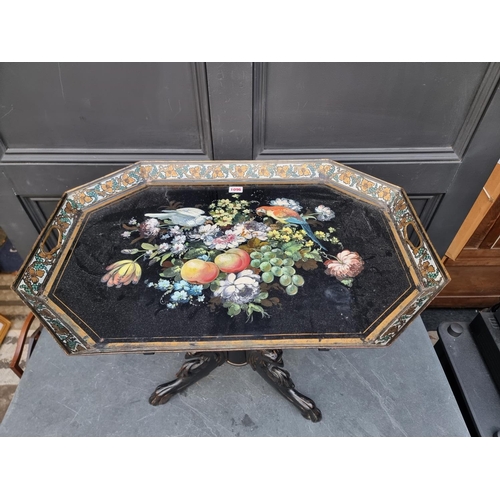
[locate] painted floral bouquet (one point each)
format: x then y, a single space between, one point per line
235 257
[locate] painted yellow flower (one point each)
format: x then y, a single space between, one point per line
427 267
384 193
309 243
324 169
303 170
366 185
345 177
400 205
35 274
122 273
195 172
170 171
263 171
320 234
145 170
127 180
282 170
240 170
217 172
107 186
82 198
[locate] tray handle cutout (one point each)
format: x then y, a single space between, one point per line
51 242
412 236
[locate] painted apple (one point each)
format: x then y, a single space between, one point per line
199 272
232 261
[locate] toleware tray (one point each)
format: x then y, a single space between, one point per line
183 256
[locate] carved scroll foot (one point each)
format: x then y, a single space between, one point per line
196 366
269 365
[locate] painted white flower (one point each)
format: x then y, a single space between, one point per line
228 240
163 247
175 230
286 202
177 248
150 227
324 213
132 221
179 239
252 229
239 288
126 234
206 232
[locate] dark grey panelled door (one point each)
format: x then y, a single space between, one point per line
432 128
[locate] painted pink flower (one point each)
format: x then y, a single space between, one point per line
347 265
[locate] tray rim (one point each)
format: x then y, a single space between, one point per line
68 215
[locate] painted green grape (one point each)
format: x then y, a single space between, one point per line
265 248
267 277
265 266
285 280
255 263
268 255
291 289
287 262
289 270
298 280
256 255
276 262
277 271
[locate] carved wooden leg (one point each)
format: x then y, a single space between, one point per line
196 366
269 365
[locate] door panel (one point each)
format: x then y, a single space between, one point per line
100 106
329 107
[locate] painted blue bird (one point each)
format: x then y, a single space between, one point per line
286 215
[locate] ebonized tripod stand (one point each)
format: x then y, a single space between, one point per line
267 363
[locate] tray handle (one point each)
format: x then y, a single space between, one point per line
415 234
45 251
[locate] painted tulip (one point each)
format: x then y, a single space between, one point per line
122 273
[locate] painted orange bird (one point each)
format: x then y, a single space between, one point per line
286 215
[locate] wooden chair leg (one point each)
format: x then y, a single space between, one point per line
16 359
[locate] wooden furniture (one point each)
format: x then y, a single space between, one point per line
473 258
231 262
15 364
4 327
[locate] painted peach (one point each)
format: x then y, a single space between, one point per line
244 255
232 261
199 272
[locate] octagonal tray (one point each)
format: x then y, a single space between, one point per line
183 256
